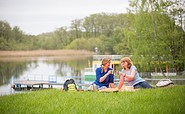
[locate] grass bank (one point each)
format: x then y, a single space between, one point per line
44 53
158 101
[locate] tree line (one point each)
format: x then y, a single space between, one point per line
152 32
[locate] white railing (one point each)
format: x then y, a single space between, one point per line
88 69
42 77
113 57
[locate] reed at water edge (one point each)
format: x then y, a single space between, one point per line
34 53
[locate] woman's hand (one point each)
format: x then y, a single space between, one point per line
109 72
121 74
105 76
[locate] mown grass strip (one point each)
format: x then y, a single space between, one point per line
159 101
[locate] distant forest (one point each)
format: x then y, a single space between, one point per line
152 32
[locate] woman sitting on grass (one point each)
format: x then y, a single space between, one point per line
104 76
130 74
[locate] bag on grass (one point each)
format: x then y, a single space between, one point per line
164 83
70 85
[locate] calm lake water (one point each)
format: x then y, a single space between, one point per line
63 68
40 68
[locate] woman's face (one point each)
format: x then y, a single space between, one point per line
107 65
124 64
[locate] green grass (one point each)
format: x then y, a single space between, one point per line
170 100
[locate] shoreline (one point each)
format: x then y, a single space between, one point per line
40 53
43 58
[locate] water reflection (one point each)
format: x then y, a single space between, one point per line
62 67
10 69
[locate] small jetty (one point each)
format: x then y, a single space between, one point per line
30 84
37 81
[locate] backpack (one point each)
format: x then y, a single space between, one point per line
70 85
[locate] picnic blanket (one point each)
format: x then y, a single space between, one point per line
124 88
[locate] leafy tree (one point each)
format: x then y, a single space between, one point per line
61 38
5 30
76 26
151 39
120 42
17 34
78 44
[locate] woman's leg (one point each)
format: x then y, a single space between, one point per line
145 85
103 87
142 85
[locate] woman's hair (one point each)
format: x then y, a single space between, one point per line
128 60
103 62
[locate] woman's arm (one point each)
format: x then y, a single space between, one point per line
105 76
121 82
131 77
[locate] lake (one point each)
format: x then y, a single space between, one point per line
63 67
23 68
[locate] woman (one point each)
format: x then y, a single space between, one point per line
130 74
104 76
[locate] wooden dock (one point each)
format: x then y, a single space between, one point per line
30 84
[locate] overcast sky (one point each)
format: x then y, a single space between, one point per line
39 16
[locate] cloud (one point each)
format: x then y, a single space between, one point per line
37 16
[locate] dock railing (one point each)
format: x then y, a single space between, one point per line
88 70
42 77
113 57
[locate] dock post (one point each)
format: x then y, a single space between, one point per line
50 86
18 86
40 85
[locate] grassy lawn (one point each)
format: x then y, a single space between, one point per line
170 100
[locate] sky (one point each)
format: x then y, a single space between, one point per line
40 16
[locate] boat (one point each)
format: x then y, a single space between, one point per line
90 73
